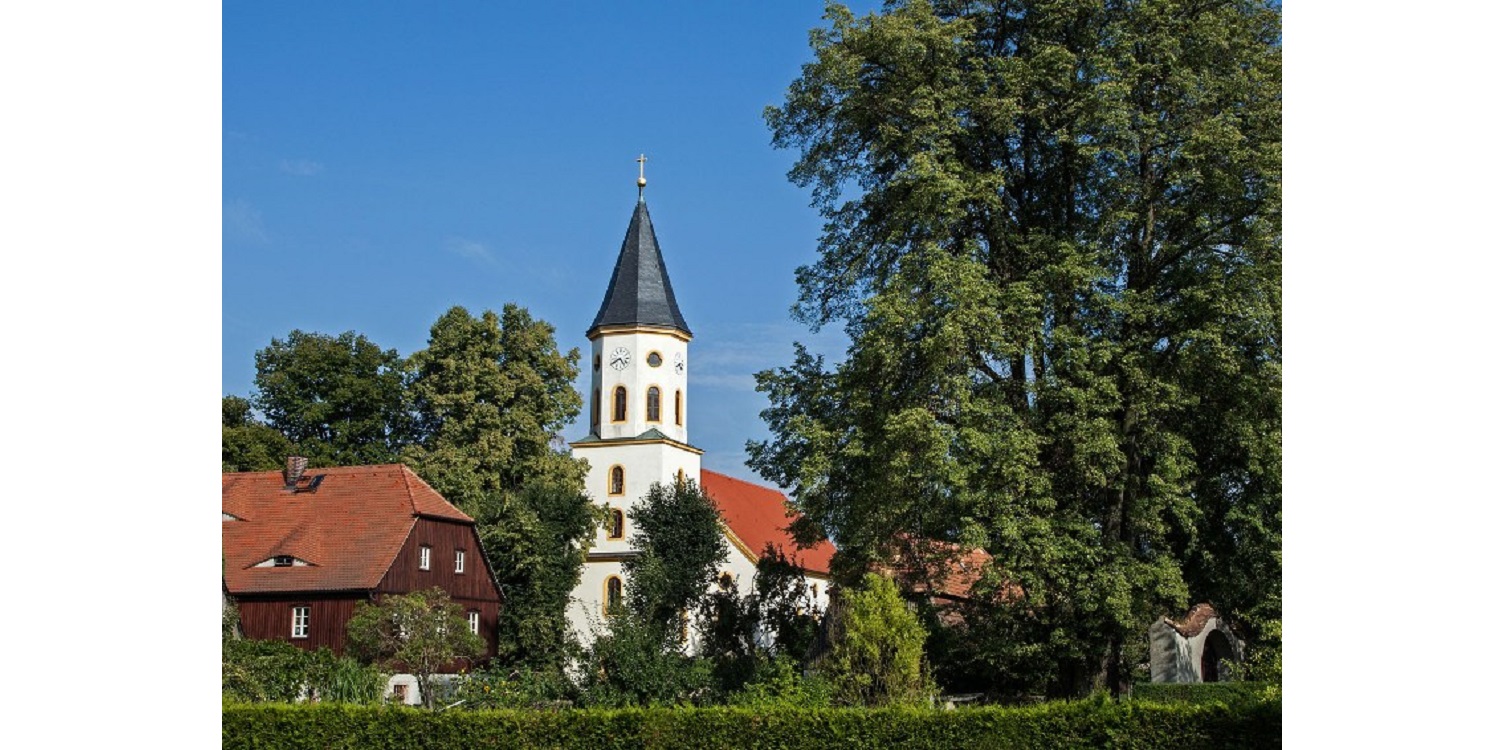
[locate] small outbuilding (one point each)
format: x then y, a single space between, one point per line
1194 650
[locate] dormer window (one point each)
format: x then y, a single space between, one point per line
281 561
424 558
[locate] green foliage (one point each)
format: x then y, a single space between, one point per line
1053 237
784 608
875 656
490 394
340 400
536 541
779 683
342 679
247 443
263 670
259 671
421 633
1228 693
639 659
503 687
636 663
1084 724
677 530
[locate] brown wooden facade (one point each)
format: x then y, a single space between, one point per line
269 615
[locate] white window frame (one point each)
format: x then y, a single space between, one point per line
301 621
424 558
458 561
474 622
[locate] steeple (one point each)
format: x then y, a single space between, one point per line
639 293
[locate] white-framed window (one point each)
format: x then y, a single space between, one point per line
424 558
474 622
301 617
458 561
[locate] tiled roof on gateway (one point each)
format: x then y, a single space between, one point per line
349 529
758 515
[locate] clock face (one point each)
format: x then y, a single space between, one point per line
679 364
619 358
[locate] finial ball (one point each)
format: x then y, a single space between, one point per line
641 182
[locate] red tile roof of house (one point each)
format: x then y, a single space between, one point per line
758 515
349 529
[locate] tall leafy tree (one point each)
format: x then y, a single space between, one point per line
536 541
247 444
1053 237
339 399
639 657
677 530
491 394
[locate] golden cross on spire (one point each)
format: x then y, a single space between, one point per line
640 184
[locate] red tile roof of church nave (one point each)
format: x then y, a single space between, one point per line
350 528
758 515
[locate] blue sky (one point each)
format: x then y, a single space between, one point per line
381 165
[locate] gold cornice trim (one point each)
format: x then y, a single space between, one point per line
675 333
633 441
611 556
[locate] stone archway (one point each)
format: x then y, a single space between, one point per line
1216 651
1193 650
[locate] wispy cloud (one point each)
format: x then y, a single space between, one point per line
243 221
470 249
735 354
301 167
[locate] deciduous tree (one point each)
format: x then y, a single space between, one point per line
677 530
421 632
491 394
247 443
340 399
536 541
1053 238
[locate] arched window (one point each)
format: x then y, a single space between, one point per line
679 408
653 404
595 415
616 527
619 403
616 480
614 594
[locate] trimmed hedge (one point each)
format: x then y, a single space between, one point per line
1082 724
1231 693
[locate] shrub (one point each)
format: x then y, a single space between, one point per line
1081 724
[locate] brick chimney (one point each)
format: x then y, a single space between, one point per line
295 466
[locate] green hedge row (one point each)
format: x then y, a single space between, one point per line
1232 693
1082 724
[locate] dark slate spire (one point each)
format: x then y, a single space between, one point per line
639 291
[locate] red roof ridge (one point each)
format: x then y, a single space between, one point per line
350 528
753 523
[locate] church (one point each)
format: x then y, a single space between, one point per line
638 404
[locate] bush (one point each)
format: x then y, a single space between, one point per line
1082 724
780 684
499 687
875 657
277 671
1228 693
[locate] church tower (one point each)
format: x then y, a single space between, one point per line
637 406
